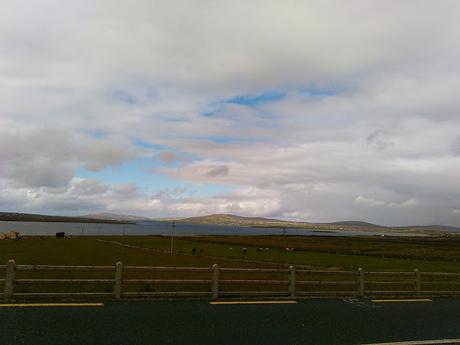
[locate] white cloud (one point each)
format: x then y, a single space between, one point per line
368 127
370 202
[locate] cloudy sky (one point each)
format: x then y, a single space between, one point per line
304 110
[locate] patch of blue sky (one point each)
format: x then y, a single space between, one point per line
210 189
264 97
148 145
249 100
230 140
319 91
134 171
123 96
141 172
162 148
96 133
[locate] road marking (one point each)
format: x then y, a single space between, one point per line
401 300
421 342
253 302
40 305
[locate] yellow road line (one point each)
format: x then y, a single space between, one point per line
421 342
401 300
38 305
253 302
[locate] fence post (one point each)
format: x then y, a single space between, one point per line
417 282
215 281
360 282
292 281
118 279
9 279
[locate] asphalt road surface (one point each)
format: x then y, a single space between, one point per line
188 322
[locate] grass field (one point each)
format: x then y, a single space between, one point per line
386 254
372 254
427 254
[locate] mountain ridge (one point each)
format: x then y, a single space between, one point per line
230 219
115 216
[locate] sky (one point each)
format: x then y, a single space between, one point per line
302 110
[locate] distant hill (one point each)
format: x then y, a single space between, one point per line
117 217
356 223
351 225
249 221
28 217
230 219
436 228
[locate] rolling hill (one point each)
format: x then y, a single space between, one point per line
229 219
28 217
117 217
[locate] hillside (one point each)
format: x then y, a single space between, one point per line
117 217
27 217
356 223
229 219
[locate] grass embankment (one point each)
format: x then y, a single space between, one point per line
373 254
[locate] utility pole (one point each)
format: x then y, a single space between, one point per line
173 228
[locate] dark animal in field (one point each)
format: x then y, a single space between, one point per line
193 250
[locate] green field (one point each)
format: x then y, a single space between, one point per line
337 253
427 254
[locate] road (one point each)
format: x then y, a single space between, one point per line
312 321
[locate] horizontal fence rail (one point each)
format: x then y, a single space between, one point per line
119 281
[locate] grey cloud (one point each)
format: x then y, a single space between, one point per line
168 157
377 140
220 170
48 157
456 146
89 188
384 125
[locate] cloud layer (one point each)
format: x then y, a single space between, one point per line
316 111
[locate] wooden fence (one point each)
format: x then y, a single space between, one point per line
287 283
